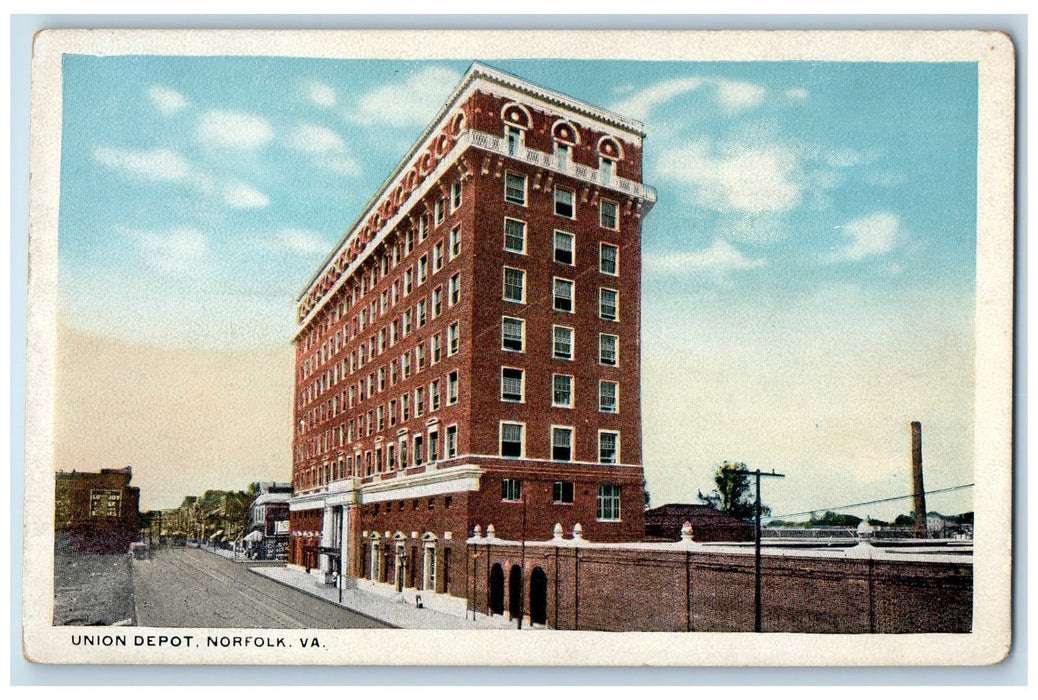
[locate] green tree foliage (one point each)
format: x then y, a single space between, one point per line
733 492
831 519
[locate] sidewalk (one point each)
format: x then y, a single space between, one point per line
397 609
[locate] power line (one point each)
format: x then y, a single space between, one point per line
869 503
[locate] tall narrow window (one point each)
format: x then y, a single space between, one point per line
452 388
514 285
452 442
562 390
515 235
608 259
608 502
607 397
434 395
454 289
562 343
607 214
455 196
514 139
562 298
453 339
563 247
606 170
512 334
511 384
607 304
608 447
562 492
515 189
562 153
454 243
562 444
563 202
512 439
607 349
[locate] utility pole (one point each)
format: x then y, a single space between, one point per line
756 545
522 562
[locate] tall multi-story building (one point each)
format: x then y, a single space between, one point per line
468 355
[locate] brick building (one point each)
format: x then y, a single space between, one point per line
97 510
469 353
664 524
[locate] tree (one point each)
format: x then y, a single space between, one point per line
733 494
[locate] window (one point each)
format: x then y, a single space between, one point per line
562 343
419 314
423 270
562 390
513 331
452 388
511 489
607 345
607 304
417 450
563 492
514 139
453 340
606 170
563 202
564 247
511 384
609 502
455 196
419 401
562 153
452 442
435 348
515 189
515 285
405 412
423 227
454 243
608 447
515 235
562 297
434 395
607 397
607 214
437 257
562 444
434 445
512 439
454 289
608 259
438 210
436 306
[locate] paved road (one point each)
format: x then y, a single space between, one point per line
186 587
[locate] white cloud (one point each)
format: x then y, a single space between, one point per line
718 260
156 164
296 241
752 180
311 138
797 94
179 250
166 100
343 164
242 196
412 102
732 95
234 130
320 94
758 229
738 96
870 236
638 105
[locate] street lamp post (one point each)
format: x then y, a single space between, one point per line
522 561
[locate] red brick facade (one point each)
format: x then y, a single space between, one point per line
469 355
99 509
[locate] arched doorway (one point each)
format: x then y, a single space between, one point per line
515 592
538 597
497 590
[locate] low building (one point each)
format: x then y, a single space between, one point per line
664 524
98 511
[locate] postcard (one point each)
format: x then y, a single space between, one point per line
520 348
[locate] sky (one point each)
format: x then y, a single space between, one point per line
808 270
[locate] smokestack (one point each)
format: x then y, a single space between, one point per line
917 479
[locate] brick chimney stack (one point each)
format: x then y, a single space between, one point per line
917 479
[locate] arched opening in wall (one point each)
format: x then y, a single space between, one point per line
538 597
375 563
515 592
497 590
429 562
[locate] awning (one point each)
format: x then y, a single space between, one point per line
215 534
254 536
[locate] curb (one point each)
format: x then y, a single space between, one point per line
326 600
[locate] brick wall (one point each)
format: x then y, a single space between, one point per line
619 589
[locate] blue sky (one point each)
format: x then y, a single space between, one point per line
808 269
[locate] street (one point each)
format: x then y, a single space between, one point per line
187 587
